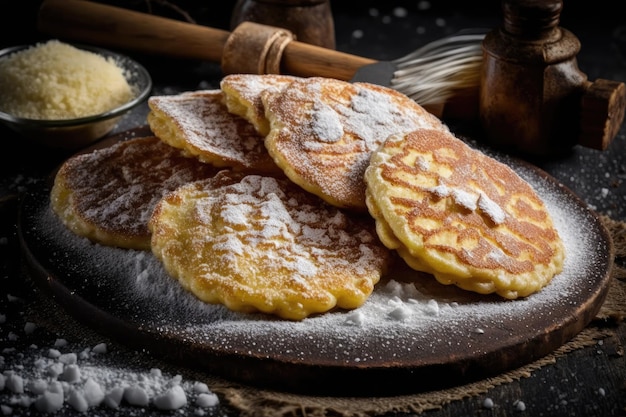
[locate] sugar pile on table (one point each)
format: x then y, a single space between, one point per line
64 376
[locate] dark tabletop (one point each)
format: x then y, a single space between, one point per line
589 381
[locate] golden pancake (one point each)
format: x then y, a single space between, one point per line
461 215
260 244
108 195
323 132
200 124
242 94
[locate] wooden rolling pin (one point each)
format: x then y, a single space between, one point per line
116 27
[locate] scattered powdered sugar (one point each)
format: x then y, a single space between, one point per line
326 124
222 136
519 405
318 120
400 12
464 199
471 201
488 403
120 185
281 228
88 379
440 190
371 114
374 115
491 209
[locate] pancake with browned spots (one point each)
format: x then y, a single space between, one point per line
242 95
261 244
461 215
323 131
108 195
199 123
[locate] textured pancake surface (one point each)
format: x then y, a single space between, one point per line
199 123
461 215
108 195
260 244
242 94
323 131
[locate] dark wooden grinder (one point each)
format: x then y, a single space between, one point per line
533 98
310 21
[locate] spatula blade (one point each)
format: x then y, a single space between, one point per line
380 73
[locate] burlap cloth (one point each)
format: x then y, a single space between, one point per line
250 401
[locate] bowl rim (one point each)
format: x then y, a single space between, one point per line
141 95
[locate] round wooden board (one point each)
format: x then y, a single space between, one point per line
444 336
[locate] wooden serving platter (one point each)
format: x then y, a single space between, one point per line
413 334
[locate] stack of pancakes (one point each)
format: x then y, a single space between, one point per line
289 196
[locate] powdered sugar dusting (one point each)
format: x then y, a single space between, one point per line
305 228
47 382
200 123
465 199
324 131
326 124
373 115
471 201
491 209
115 189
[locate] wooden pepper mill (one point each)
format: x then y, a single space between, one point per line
311 21
533 99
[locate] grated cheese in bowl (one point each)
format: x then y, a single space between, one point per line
67 96
55 80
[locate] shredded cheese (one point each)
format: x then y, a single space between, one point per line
54 80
